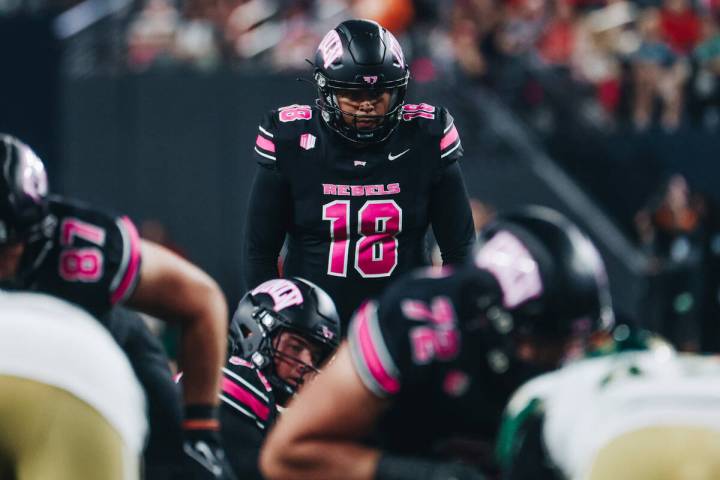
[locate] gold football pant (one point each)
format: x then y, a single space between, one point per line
660 453
47 433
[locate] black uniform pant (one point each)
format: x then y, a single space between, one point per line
148 360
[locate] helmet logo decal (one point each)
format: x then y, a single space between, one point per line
283 292
330 48
509 261
327 333
397 52
33 176
370 79
307 141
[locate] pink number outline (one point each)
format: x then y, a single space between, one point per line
338 214
384 226
439 340
295 112
365 258
74 269
73 227
72 266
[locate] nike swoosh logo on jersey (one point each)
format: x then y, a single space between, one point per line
392 157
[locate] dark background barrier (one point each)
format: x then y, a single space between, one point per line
29 83
176 147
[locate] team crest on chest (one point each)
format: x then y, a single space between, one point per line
307 141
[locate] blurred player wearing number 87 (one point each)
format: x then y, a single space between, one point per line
355 180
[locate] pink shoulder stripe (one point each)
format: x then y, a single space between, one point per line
131 247
246 398
370 353
449 138
264 143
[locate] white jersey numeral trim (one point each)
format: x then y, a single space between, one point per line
451 150
269 156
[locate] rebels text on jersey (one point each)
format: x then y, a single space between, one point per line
92 259
417 345
357 213
248 410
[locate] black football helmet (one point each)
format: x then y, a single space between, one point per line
274 306
360 55
552 287
23 193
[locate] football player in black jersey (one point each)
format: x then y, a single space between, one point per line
282 332
354 181
428 367
96 260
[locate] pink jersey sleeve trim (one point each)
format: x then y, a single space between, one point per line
246 398
131 263
265 144
449 138
368 340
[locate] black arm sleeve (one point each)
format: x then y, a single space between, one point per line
451 216
268 218
242 441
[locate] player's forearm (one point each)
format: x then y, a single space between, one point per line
313 459
202 351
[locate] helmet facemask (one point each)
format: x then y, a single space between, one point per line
335 117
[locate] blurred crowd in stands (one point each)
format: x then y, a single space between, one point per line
644 62
634 63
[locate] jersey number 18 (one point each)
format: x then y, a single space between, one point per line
379 222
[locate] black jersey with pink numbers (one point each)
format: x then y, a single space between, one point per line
356 216
92 258
421 346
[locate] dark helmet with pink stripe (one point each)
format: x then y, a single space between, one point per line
360 56
552 286
285 304
23 192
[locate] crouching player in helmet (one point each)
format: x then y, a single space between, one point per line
428 367
282 332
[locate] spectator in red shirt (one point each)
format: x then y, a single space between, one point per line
680 25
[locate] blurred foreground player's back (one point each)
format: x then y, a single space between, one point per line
70 405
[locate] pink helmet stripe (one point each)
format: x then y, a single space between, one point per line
133 267
264 143
372 360
449 138
246 398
